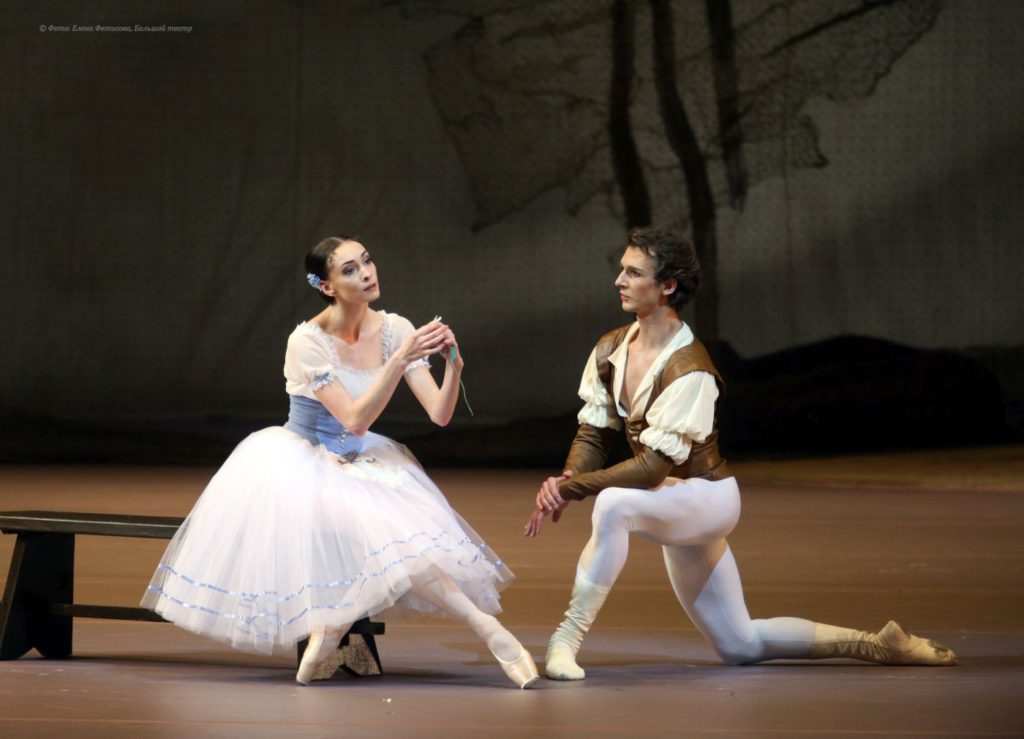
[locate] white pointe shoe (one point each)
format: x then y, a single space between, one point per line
522 670
321 657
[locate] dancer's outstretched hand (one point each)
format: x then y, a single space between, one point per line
536 521
534 524
549 499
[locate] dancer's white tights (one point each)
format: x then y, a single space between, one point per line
436 587
690 519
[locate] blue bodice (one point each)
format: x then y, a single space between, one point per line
313 422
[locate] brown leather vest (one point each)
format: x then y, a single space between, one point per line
704 460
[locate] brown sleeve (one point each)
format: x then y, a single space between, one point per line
589 449
646 470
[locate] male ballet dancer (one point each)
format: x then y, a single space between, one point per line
653 378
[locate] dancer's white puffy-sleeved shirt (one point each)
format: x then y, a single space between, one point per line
682 414
308 524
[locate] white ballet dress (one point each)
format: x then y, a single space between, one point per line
307 524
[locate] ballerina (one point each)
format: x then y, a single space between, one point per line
310 526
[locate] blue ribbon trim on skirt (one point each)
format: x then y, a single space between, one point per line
250 599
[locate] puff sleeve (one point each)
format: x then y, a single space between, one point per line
598 406
308 365
682 414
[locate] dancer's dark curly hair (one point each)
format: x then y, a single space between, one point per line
674 257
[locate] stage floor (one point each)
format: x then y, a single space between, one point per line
935 543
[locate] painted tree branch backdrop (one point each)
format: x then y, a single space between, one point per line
668 109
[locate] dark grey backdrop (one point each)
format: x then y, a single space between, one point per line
160 187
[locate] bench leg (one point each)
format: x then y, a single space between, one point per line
361 656
42 574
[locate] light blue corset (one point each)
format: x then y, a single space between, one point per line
314 423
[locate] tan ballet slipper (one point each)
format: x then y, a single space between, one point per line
890 646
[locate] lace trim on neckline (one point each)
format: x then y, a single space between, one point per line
328 342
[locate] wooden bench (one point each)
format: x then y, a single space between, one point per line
38 604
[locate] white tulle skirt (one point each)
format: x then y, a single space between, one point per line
288 536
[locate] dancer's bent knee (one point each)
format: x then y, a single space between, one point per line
739 653
612 509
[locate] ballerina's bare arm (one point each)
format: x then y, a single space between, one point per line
439 403
358 415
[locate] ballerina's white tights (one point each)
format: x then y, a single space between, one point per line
438 588
691 519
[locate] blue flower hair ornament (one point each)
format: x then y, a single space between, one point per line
313 280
